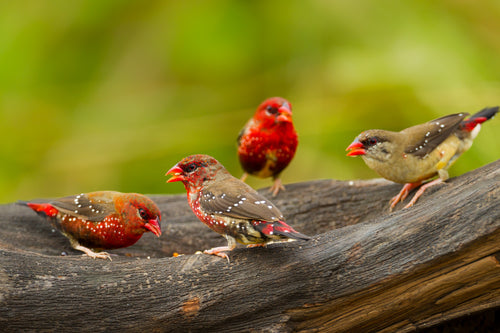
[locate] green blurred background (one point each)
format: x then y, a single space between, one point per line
110 94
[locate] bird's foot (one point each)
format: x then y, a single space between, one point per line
218 251
92 254
403 194
277 186
249 246
421 191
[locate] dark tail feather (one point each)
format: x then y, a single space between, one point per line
294 234
478 118
282 229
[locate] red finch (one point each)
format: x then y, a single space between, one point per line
268 142
419 152
229 206
101 220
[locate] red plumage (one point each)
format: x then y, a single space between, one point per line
268 142
102 220
230 207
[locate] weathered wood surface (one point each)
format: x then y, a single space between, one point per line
365 270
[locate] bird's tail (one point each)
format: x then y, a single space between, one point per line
282 229
485 114
41 208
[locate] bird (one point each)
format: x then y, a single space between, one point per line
101 220
268 141
420 152
229 206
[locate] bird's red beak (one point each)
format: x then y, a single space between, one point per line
176 173
356 148
284 114
154 226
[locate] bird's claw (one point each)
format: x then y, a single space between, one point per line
217 251
277 186
401 196
90 253
421 191
219 254
99 255
249 246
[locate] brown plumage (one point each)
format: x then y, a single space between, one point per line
420 152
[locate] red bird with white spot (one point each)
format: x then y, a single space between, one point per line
230 207
268 142
101 220
420 152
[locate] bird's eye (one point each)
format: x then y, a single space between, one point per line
271 109
372 141
143 213
191 167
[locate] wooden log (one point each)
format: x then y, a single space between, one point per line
366 269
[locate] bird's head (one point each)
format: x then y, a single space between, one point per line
372 144
139 212
193 171
273 111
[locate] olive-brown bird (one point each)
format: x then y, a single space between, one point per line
230 207
420 152
101 220
268 142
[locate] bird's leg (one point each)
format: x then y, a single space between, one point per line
89 252
244 177
277 186
403 194
422 190
219 251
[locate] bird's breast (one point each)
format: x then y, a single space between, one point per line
265 154
109 233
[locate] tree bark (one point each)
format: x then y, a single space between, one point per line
365 269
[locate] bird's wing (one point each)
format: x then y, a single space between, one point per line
424 138
240 135
233 198
94 208
244 130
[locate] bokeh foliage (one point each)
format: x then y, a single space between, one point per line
110 94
